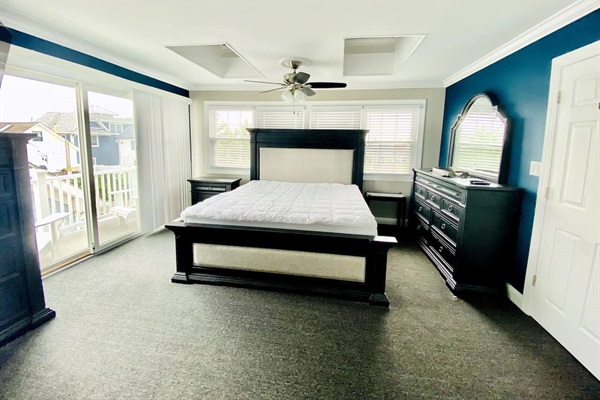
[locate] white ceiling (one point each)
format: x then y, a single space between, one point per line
135 33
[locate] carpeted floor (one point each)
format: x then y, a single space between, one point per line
124 331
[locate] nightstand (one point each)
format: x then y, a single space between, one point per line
397 198
204 187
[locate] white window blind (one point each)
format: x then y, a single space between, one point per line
392 144
280 117
478 143
392 139
332 117
229 139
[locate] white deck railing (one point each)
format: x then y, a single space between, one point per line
64 193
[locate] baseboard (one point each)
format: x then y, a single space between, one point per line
515 296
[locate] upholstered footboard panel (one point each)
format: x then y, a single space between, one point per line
360 260
288 262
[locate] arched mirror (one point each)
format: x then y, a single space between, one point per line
480 141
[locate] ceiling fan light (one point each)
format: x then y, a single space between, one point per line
287 96
299 95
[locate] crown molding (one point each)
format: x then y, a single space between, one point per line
559 20
23 24
379 86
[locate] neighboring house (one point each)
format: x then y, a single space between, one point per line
48 149
105 127
126 143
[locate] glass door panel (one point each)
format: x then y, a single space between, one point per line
47 110
112 133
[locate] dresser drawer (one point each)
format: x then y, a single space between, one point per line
423 210
445 227
442 250
452 210
420 192
434 198
209 187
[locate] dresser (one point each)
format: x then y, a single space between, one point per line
203 187
468 231
22 303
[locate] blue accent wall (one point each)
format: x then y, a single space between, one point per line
521 83
34 43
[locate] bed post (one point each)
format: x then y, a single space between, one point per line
184 253
376 269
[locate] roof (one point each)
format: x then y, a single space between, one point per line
60 122
16 127
127 134
66 123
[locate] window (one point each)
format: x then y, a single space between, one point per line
229 139
115 128
395 130
95 141
39 137
393 144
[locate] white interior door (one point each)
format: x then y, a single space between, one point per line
564 285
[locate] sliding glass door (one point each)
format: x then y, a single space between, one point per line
48 111
112 134
83 166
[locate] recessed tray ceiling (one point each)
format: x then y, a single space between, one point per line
378 55
219 59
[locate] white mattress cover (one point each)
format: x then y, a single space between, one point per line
323 207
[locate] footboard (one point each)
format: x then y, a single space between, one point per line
372 250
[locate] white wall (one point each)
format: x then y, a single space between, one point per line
431 144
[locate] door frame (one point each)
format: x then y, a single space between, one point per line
558 64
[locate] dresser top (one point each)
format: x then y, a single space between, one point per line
466 183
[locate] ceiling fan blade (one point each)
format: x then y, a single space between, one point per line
270 83
327 85
301 77
272 90
307 91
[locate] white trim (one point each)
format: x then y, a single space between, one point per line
559 20
558 64
244 87
34 28
515 296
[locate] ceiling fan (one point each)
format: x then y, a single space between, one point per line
295 84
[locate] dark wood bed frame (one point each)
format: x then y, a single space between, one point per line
374 250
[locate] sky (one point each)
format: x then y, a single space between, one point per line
24 100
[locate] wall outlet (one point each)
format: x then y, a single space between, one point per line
535 169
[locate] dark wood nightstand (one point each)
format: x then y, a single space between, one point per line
204 187
397 198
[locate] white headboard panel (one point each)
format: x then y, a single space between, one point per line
306 165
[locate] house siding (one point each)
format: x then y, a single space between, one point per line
521 82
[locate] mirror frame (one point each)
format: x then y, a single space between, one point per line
502 176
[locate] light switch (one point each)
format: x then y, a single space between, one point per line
535 169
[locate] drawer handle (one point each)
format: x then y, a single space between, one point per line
450 207
443 226
457 194
441 249
421 208
418 227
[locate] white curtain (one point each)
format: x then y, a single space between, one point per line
164 161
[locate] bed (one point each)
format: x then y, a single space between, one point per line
312 245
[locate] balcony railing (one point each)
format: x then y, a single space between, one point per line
63 194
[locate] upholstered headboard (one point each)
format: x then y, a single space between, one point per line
308 155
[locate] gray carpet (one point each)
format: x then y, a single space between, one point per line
123 331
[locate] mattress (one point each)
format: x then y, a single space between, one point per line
321 207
